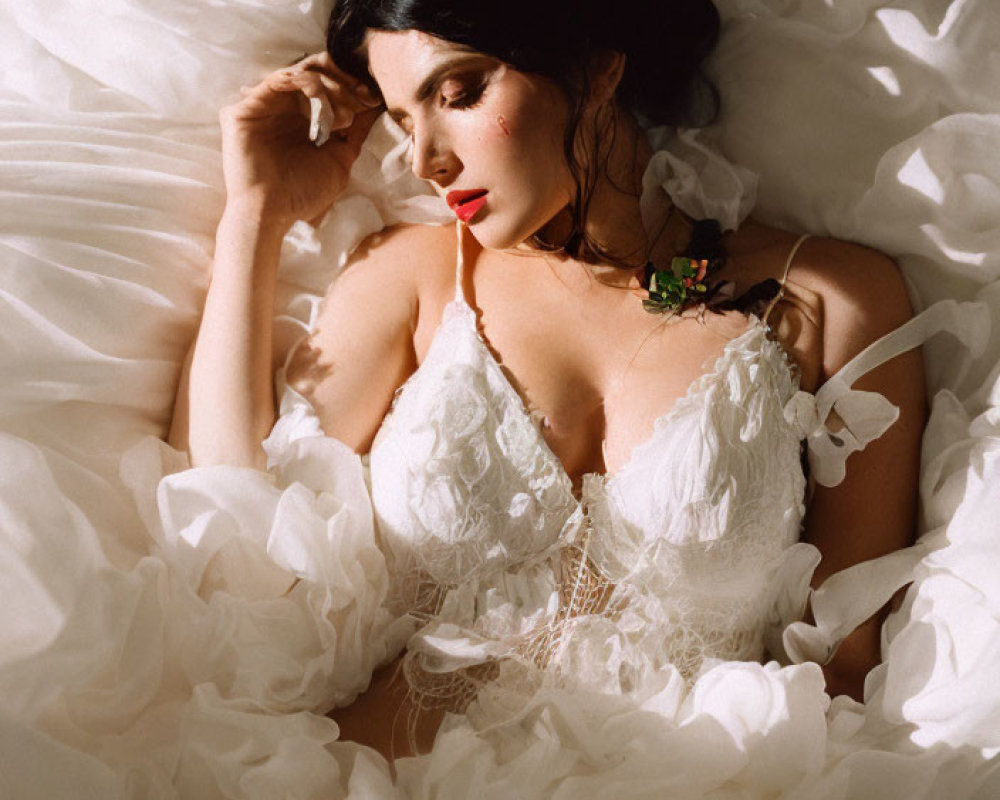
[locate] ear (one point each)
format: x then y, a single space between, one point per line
605 75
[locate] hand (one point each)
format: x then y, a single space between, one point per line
269 162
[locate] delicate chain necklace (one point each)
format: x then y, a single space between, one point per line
685 282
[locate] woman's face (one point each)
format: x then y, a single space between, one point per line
477 126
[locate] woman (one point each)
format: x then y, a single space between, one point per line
624 477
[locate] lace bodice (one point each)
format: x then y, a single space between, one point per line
689 552
476 487
487 539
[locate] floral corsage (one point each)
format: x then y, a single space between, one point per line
685 282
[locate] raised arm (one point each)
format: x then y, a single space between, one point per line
224 403
274 176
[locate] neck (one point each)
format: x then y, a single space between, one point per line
614 218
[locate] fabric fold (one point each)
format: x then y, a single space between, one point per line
846 599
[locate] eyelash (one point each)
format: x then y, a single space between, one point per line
466 98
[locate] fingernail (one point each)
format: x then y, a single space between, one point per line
322 135
315 113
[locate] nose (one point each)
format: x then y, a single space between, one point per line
433 159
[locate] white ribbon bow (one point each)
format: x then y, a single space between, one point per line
866 416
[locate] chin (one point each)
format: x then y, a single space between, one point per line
495 237
493 234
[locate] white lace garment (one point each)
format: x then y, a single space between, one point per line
688 554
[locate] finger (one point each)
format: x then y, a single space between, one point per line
276 82
320 120
298 59
323 64
268 97
319 59
344 146
351 95
356 99
359 90
330 106
344 103
358 132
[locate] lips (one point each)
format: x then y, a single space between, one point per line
466 204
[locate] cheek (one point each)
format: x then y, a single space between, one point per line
520 114
537 128
492 132
511 119
516 131
500 124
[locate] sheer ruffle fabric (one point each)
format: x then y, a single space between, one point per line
173 634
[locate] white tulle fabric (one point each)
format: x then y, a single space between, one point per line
124 676
687 536
688 555
607 641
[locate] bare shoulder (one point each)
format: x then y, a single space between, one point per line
401 277
404 260
365 344
845 295
862 292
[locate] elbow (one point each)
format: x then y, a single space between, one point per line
235 455
219 445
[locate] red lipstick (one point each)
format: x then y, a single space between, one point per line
466 204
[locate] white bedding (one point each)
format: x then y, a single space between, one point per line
148 647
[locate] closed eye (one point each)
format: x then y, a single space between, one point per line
457 83
464 98
452 96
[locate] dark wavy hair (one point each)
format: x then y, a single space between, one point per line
665 43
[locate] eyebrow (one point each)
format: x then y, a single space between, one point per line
429 83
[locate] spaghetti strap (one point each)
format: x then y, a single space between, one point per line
965 321
459 265
788 266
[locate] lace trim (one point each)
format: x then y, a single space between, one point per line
589 596
587 591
